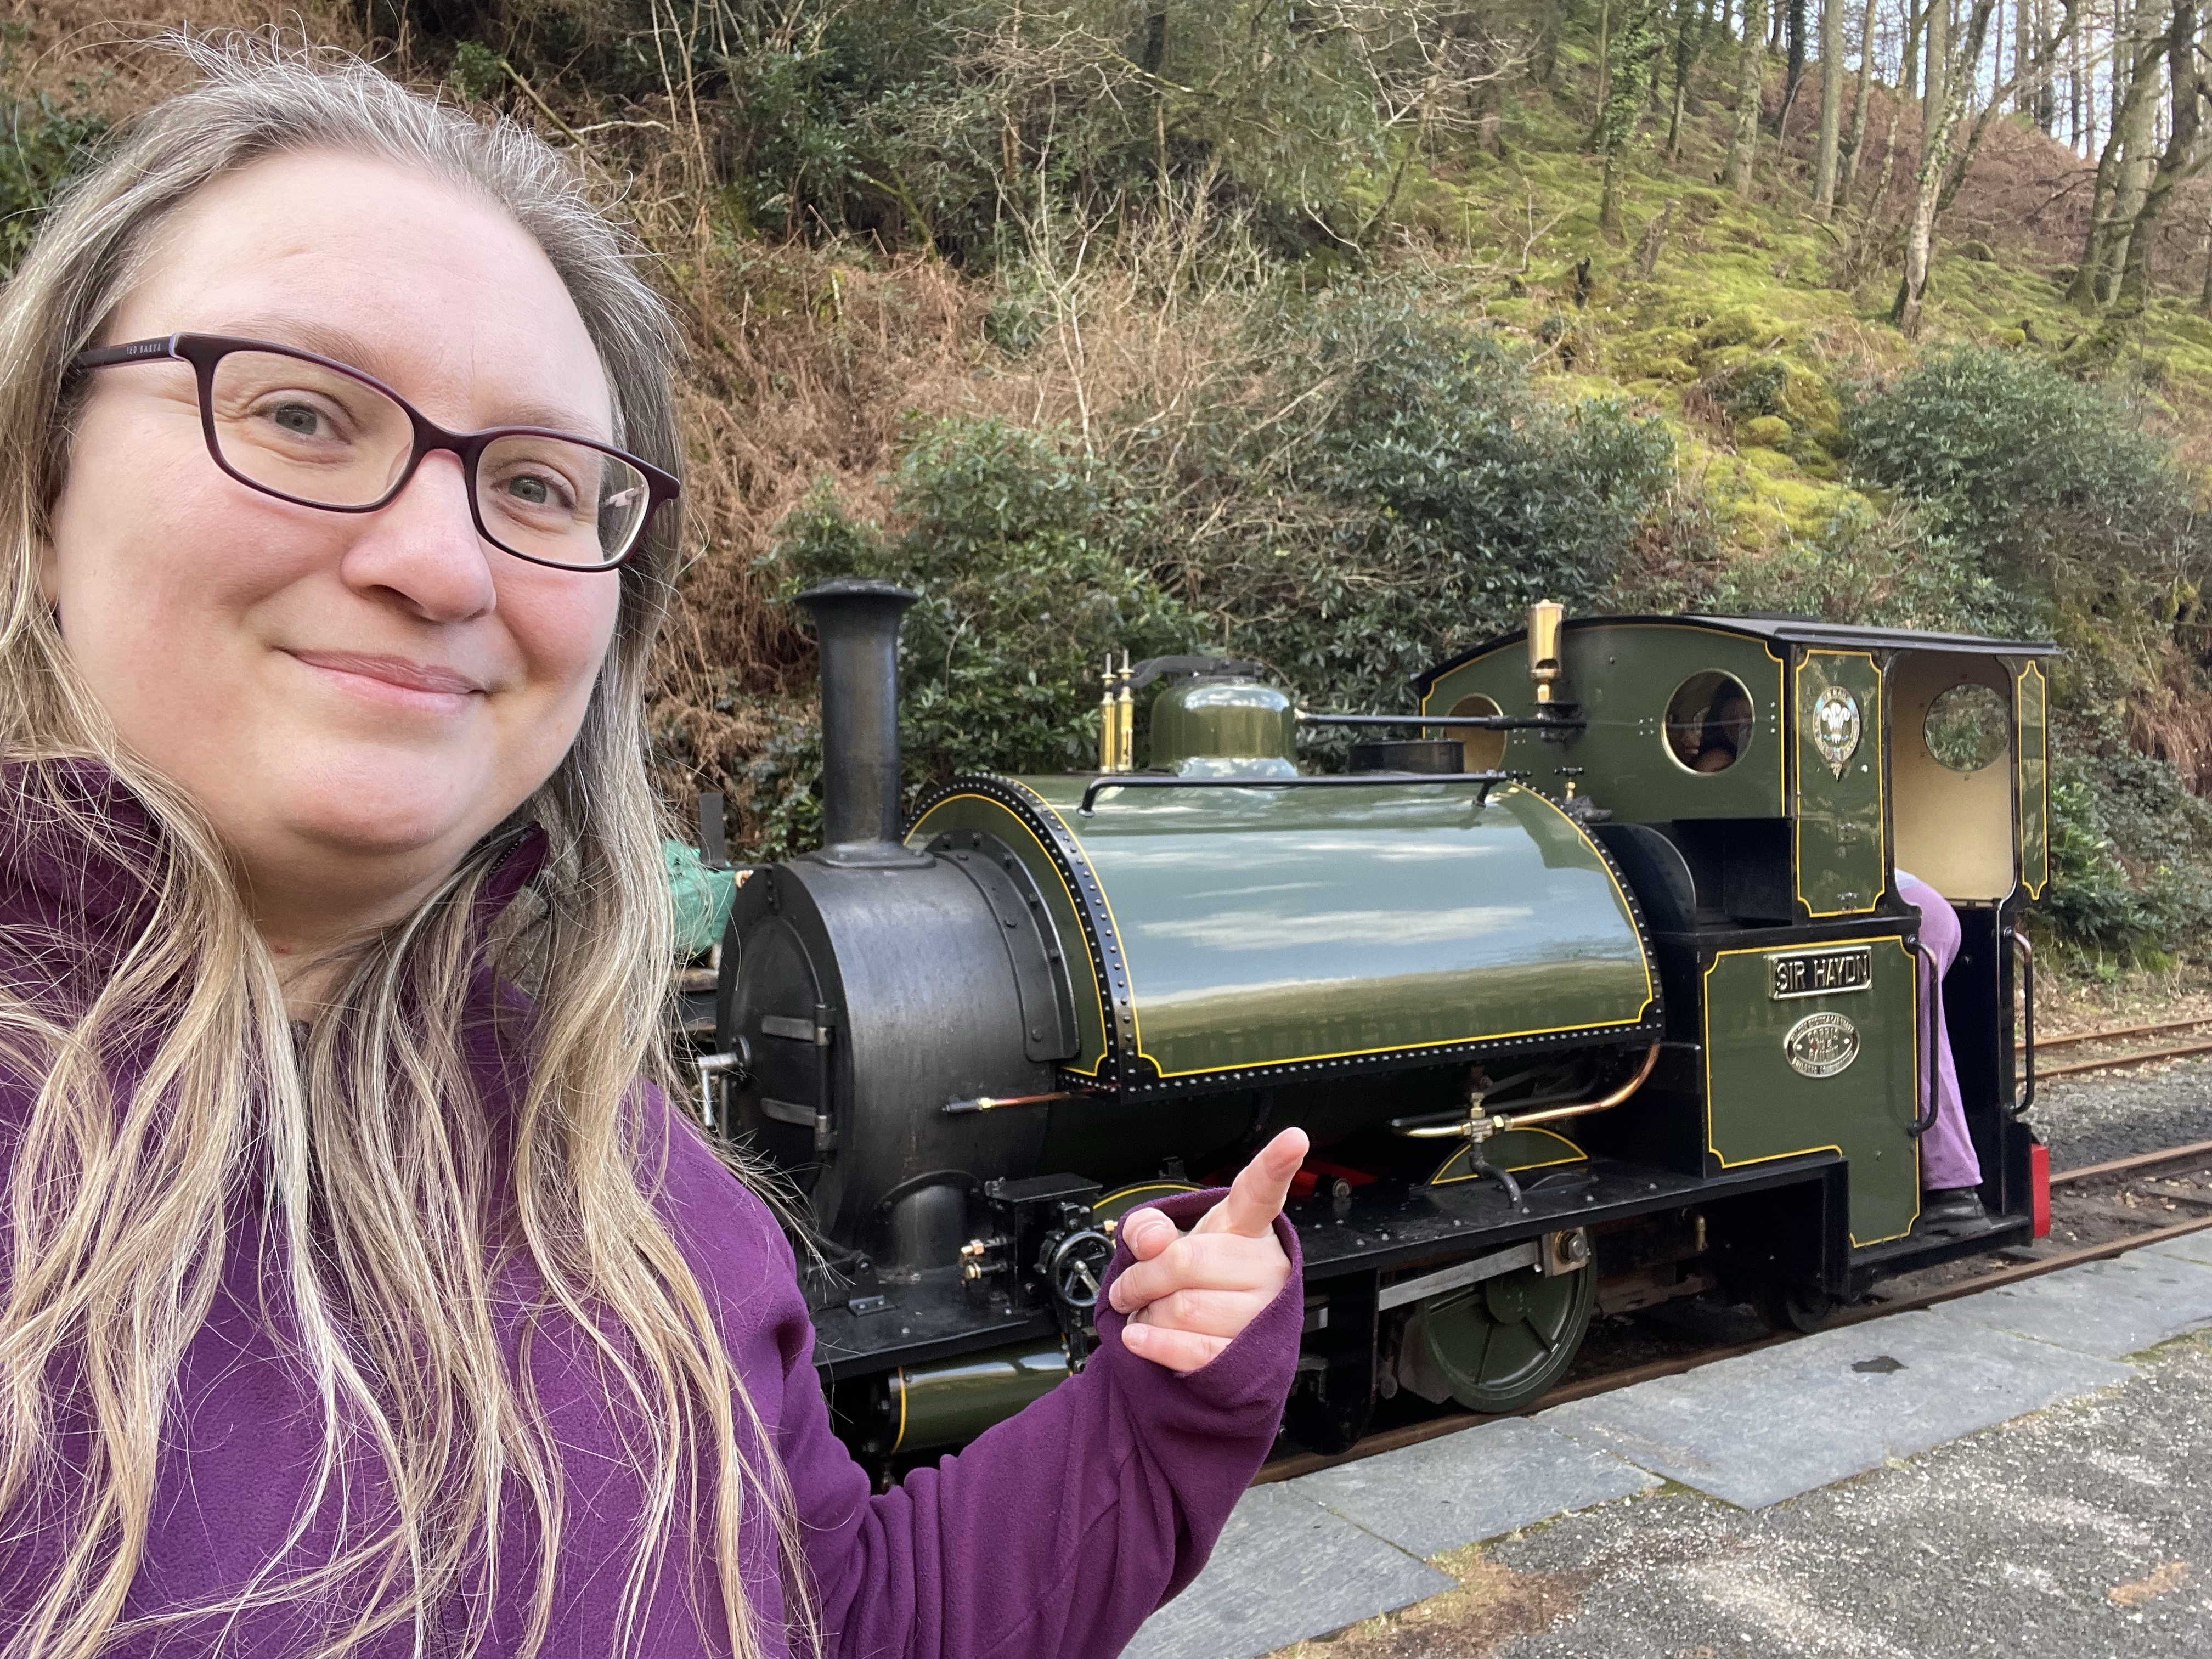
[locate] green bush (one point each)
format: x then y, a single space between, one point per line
2129 851
1422 494
46 144
2064 511
1018 543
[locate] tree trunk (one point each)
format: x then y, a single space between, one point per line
2204 302
1689 38
2046 89
2104 191
1635 44
1544 59
2134 131
1793 75
1861 96
1831 106
2177 163
1908 74
1750 89
1958 72
1934 65
2073 82
2023 74
1604 70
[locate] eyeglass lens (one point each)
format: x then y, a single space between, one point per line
323 437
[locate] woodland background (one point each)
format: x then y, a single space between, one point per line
1333 331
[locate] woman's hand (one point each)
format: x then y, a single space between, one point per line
1188 1295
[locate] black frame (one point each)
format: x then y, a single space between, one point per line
204 351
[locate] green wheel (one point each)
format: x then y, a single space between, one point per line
1501 1343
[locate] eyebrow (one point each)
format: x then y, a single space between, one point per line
326 340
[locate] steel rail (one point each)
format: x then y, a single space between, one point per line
2137 1161
2107 1032
2110 1063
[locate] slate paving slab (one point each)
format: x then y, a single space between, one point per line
1285 1569
1476 1484
2111 1308
1765 1426
2190 1247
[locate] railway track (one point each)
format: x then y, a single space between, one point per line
2200 1045
2145 1199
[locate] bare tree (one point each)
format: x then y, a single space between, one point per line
1750 90
2133 73
1935 65
1633 47
1861 97
1943 161
2182 159
1831 106
1692 22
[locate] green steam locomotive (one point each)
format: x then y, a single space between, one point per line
1590 981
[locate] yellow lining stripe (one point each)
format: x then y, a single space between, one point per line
1706 1017
1627 912
1872 720
2020 771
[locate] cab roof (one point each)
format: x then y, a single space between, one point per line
1785 629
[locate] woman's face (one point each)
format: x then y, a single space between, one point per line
354 699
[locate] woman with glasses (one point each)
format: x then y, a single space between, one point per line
359 1292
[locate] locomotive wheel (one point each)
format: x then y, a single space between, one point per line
1793 1308
1502 1342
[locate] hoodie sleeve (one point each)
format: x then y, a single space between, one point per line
1054 1535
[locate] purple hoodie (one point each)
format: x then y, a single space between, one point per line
1054 1535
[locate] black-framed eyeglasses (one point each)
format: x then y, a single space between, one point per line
317 433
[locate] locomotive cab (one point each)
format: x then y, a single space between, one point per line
1763 779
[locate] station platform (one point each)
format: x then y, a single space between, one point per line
1713 1451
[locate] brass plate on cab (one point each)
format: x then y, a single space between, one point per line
1822 1045
1819 973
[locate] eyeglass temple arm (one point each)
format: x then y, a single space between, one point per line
135 351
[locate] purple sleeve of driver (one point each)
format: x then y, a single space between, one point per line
1053 1536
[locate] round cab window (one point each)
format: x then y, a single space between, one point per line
1709 721
1968 727
1481 749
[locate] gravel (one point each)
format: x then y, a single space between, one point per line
2103 1114
2075 1532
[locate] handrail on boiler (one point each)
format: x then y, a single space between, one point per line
1327 780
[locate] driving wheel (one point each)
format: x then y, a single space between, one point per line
1501 1343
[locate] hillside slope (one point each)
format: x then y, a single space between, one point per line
1283 376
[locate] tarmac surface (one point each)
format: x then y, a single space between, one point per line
2027 1471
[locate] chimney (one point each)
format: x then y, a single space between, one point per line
856 624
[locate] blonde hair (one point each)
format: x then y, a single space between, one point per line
372 1160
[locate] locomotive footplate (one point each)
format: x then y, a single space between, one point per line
1384 1226
1379 1228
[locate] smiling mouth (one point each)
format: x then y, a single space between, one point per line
394 678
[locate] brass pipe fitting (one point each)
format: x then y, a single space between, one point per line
1109 722
1546 618
1126 722
1603 1104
